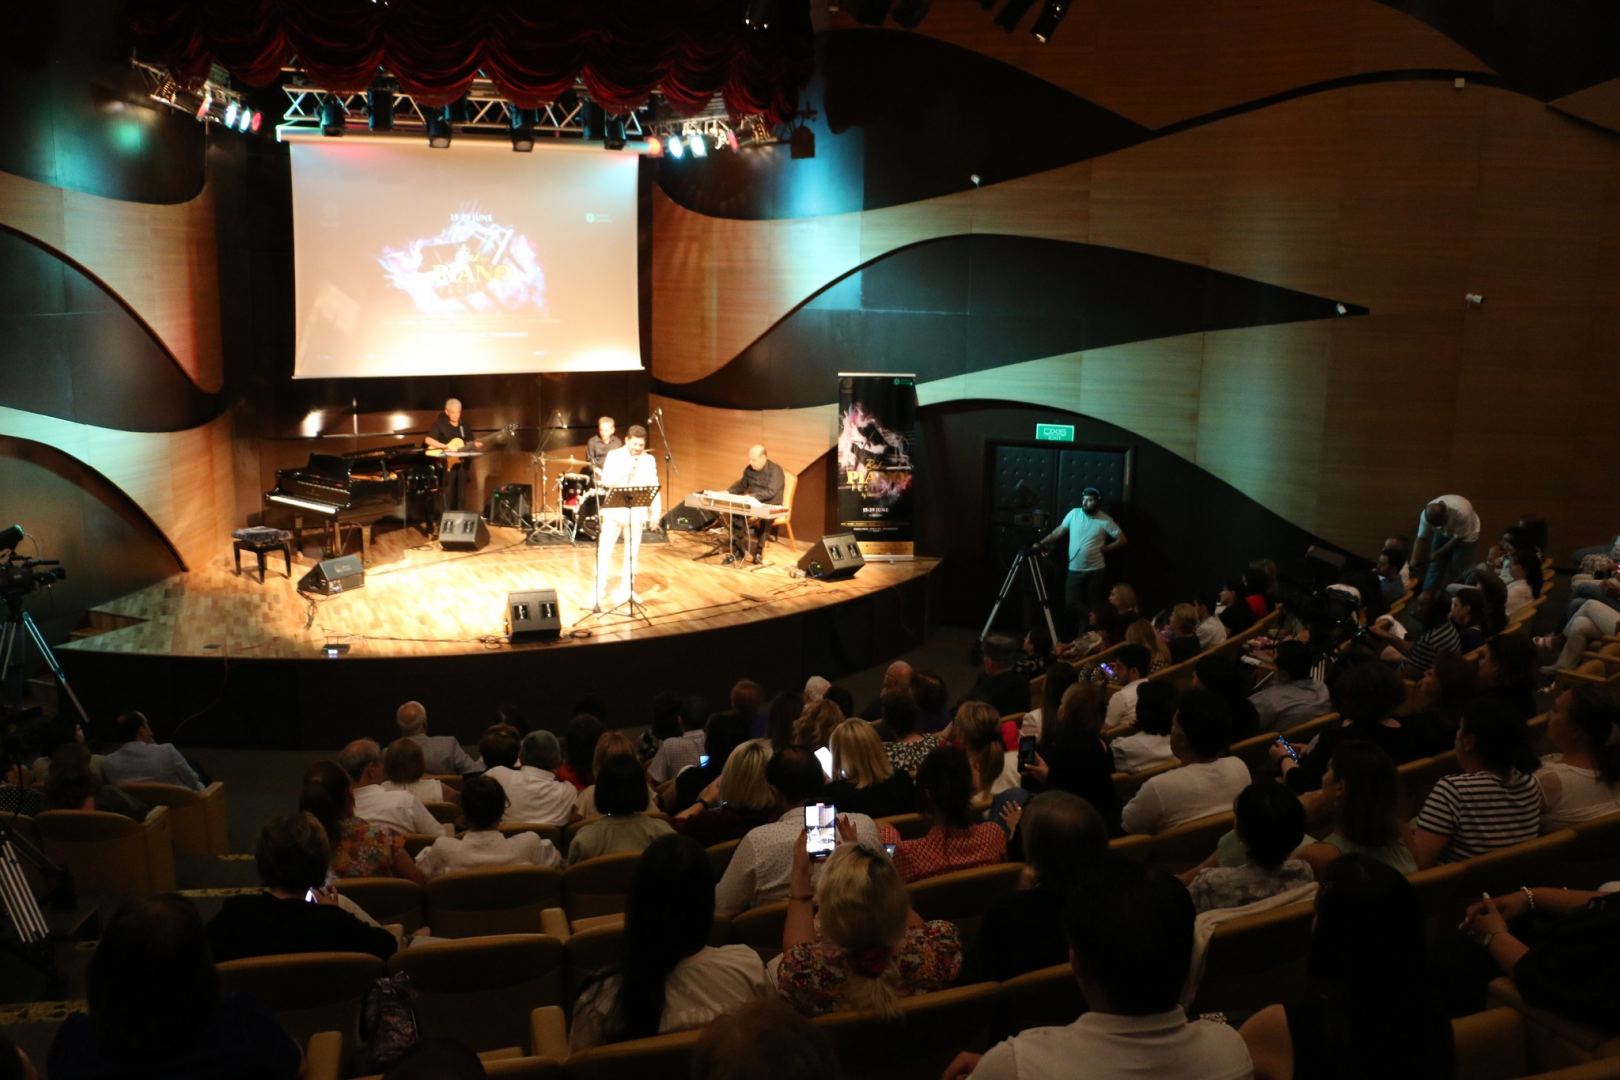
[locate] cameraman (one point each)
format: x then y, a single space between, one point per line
1092 535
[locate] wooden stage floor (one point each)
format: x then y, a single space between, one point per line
419 601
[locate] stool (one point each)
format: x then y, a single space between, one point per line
261 542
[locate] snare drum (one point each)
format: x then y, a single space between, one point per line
571 488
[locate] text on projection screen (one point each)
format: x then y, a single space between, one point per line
466 261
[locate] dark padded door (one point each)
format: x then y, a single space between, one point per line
1106 470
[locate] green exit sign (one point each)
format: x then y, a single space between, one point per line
1054 433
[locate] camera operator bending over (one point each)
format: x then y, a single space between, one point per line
1092 535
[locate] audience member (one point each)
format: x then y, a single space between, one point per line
928 690
677 753
607 746
1071 755
976 731
1036 656
1211 631
864 780
141 759
405 768
621 787
1594 619
1058 679
815 725
156 1008
19 794
1270 824
999 683
786 708
1228 679
359 848
1448 532
1438 634
872 949
1130 933
669 978
1525 584
533 792
739 801
722 733
1184 643
1149 744
747 699
401 811
72 784
1369 694
579 750
1493 803
763 862
1131 661
664 723
1023 930
814 687
840 697
1122 600
763 1040
1204 785
1391 581
1103 630
442 754
483 803
1362 790
1468 616
1581 782
1293 696
897 676
905 745
953 841
1141 632
1449 686
298 911
1508 672
1371 1010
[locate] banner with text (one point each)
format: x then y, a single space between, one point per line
877 417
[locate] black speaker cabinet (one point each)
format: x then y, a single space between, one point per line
835 555
462 530
509 505
688 519
533 616
345 573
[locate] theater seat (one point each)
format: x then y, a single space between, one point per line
501 900
308 992
386 899
1554 1042
1490 1045
919 1043
198 818
963 896
110 855
598 886
1049 997
480 991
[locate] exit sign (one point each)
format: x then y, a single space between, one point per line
1054 433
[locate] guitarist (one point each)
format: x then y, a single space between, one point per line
449 433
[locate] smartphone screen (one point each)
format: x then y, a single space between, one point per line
888 849
1284 743
824 755
820 829
309 896
1026 751
1109 670
703 761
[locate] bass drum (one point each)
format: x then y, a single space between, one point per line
579 503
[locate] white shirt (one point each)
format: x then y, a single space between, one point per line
534 795
622 469
1133 753
1211 632
1122 706
698 989
1518 595
398 810
486 849
763 862
675 754
1185 794
1570 795
1163 1046
424 789
1461 520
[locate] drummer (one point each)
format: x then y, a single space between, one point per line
599 445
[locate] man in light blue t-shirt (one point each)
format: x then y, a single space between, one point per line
1092 535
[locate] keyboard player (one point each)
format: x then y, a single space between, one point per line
764 480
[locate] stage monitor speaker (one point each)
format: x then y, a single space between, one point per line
533 616
836 555
345 573
462 530
509 505
688 519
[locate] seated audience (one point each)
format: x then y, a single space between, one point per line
1103 630
664 723
1228 679
1369 693
141 759
722 733
1149 744
1184 643
533 792
19 794
953 841
764 1040
815 725
359 848
1058 679
785 710
406 768
623 825
1469 617
1211 631
1141 633
1507 671
1581 782
1131 661
401 811
1494 802
1000 684
1233 608
763 862
579 750
1362 790
1437 634
1130 932
871 950
897 676
1204 785
675 754
292 858
156 1008
933 710
864 780
1122 601
607 746
841 698
814 687
739 801
1391 562
669 978
1524 585
442 754
1036 653
1023 930
976 731
1446 690
1293 697
1270 824
1071 755
1371 1011
1594 619
483 803
748 700
72 784
903 742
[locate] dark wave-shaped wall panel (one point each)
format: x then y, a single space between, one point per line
72 351
902 117
970 303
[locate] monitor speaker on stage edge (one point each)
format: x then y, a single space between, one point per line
462 530
533 616
345 573
836 555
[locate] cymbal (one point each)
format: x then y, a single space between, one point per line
549 460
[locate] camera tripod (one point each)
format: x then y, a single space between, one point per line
1023 561
19 622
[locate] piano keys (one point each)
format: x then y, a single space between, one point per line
724 502
355 490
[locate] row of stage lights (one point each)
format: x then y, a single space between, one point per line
232 113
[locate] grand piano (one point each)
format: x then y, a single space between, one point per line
355 490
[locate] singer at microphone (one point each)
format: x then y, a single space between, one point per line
596 450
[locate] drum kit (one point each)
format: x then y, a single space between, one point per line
576 509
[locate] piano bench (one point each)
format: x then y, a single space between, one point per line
261 546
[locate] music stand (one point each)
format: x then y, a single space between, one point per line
629 498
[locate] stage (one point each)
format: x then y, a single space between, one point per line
229 660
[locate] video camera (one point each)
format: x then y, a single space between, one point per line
19 577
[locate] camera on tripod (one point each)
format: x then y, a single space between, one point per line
19 577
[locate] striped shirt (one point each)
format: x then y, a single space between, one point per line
1442 638
1479 812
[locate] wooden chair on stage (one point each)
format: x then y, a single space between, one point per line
790 484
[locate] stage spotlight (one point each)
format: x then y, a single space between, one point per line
206 104
655 148
1007 18
380 109
759 14
802 144
522 128
676 146
731 140
332 116
1047 23
908 13
697 144
438 128
230 115
245 120
613 133
258 119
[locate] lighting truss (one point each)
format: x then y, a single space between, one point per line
211 102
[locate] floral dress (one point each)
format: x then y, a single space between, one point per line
812 975
365 850
906 756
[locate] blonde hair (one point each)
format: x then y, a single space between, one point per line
858 754
977 730
1141 633
612 744
742 781
815 724
1083 706
862 904
1127 596
403 762
1184 619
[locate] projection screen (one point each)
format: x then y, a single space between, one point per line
465 261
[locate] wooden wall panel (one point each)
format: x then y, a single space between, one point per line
1598 104
711 445
1149 387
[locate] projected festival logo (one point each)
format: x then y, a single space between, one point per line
474 265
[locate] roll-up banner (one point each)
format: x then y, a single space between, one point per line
877 418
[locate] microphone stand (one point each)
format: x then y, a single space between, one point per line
657 420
